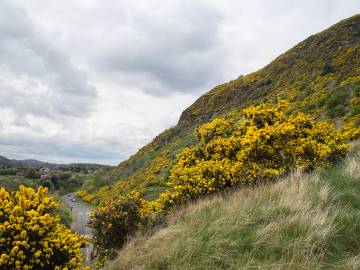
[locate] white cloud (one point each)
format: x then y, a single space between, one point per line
94 80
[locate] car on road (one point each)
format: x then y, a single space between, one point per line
73 200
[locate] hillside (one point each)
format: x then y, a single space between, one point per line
302 222
320 76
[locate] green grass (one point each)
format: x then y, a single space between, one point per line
11 182
63 210
302 222
344 181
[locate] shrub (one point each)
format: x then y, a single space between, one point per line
84 195
114 221
355 110
8 171
31 174
334 103
30 237
263 146
337 98
326 69
308 107
322 101
303 86
338 111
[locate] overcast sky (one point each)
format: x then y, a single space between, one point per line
93 81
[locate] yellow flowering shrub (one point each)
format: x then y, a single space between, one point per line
112 222
81 193
32 238
142 179
263 145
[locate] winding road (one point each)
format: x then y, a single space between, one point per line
80 216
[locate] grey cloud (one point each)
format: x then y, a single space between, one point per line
40 78
181 52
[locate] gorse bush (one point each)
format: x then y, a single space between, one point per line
30 237
114 221
84 195
263 145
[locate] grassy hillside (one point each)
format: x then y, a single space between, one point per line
302 222
320 76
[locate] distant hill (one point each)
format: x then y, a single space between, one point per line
4 162
8 163
319 76
33 163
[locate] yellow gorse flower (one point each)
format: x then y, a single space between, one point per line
30 237
263 145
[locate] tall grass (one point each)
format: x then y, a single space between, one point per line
307 221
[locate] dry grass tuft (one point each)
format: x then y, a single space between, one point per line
352 168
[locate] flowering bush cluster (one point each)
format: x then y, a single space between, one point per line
147 176
30 237
84 195
114 221
263 145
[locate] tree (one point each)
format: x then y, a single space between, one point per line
55 180
327 68
31 173
32 238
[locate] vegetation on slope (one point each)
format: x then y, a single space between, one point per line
320 76
264 145
305 221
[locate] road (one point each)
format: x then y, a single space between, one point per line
80 216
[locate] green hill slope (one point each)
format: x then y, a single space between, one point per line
320 76
302 222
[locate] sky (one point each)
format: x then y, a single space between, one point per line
95 80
